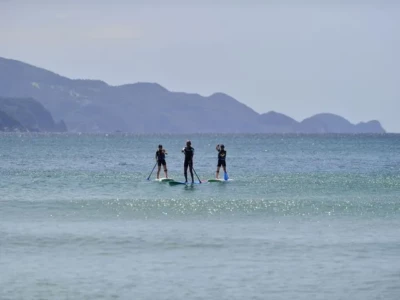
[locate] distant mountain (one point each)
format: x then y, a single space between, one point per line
277 122
94 106
330 123
27 114
325 123
369 127
8 123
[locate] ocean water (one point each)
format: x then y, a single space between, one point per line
304 217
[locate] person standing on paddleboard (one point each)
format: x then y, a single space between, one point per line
160 158
221 159
188 151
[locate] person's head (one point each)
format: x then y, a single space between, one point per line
188 143
160 146
222 147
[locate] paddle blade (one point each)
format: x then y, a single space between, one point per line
226 177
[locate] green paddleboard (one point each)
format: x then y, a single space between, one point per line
182 183
216 180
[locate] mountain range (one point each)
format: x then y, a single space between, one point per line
27 114
94 106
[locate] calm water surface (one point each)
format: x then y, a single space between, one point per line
304 217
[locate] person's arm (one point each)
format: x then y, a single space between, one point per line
156 155
217 148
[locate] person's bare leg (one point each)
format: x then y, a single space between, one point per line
166 171
158 172
217 173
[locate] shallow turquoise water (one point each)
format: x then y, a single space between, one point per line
305 217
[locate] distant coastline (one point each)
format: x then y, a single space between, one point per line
94 106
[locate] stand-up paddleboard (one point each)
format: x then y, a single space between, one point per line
164 179
182 183
218 180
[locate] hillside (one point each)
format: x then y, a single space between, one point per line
277 122
94 106
8 123
27 114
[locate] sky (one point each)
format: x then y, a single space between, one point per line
295 57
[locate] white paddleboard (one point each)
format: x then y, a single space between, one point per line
164 179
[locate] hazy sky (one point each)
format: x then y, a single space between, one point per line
295 57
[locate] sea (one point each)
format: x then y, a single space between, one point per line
302 217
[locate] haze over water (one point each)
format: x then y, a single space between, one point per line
304 217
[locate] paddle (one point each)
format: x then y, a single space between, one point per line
152 171
196 175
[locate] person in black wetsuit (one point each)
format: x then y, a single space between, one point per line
160 158
221 159
189 153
